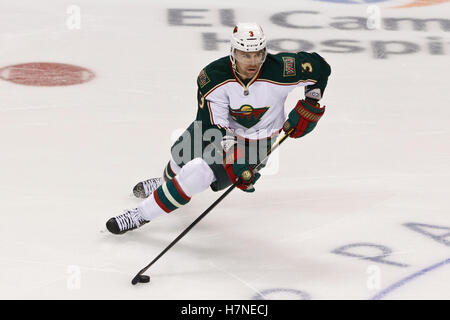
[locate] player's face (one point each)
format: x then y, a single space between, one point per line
248 63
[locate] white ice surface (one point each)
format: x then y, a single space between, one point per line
378 159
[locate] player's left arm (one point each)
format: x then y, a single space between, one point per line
312 68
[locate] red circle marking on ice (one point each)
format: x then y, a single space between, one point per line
46 74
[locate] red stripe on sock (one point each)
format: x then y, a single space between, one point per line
180 191
158 201
172 173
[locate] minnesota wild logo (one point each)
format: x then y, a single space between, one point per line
247 116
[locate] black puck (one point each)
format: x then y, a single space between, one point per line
140 278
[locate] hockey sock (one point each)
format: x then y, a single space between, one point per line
171 170
170 196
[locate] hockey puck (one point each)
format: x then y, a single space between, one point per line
140 278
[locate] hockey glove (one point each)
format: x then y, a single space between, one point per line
303 118
236 166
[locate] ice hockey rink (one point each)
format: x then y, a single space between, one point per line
357 209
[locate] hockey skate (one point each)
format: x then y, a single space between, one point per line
145 188
131 219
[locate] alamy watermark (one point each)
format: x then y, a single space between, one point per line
374 278
73 278
73 21
373 17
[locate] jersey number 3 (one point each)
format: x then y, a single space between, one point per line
307 67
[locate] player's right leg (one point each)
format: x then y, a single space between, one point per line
195 177
192 174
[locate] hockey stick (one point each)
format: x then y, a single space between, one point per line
140 277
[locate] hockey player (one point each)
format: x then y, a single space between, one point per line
240 113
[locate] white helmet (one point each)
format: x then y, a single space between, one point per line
248 37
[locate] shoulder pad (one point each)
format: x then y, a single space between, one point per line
280 68
288 67
313 64
214 74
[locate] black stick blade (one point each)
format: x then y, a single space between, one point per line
140 278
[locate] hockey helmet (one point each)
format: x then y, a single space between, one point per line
247 37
